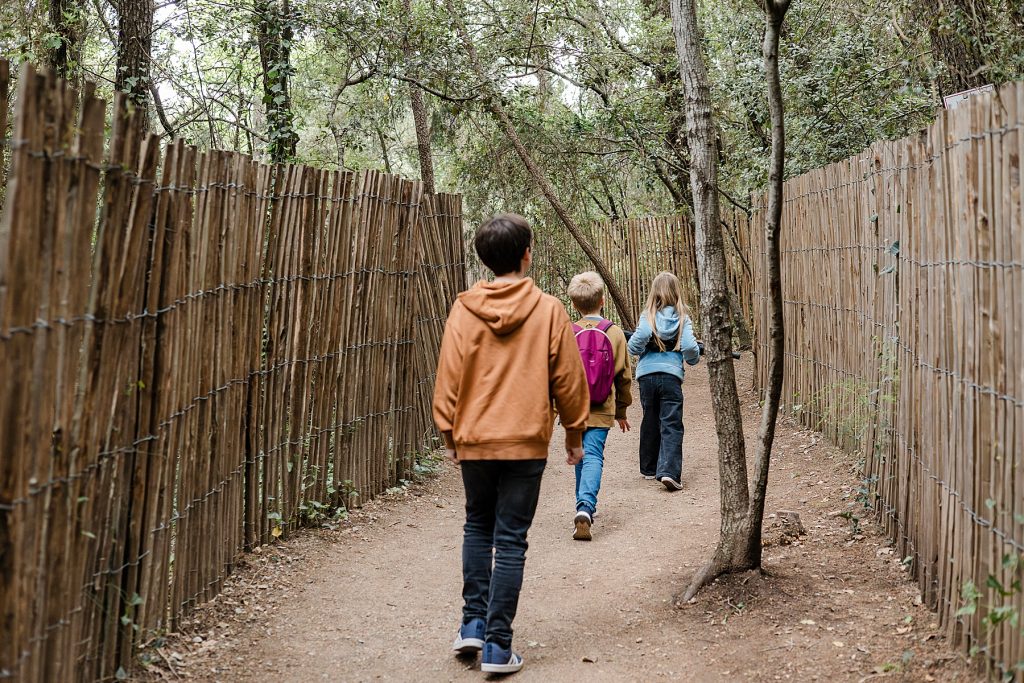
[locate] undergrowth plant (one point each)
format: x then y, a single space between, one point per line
997 606
859 414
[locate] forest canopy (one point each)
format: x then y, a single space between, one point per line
592 86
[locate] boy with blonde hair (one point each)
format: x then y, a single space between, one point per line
507 354
605 358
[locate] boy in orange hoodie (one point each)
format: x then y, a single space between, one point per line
508 352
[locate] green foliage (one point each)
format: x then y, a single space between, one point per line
593 89
853 409
996 603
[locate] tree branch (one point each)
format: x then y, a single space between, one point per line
158 105
433 91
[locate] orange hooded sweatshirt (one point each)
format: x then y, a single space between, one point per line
508 351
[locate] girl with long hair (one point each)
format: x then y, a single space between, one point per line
664 341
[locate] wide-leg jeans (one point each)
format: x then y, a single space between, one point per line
661 430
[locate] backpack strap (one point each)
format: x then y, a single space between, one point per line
576 329
605 325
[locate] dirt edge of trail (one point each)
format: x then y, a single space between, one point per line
378 597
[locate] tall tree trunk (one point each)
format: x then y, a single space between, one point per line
134 47
716 315
667 79
739 543
674 176
775 11
501 116
275 30
420 116
956 29
66 22
669 82
421 121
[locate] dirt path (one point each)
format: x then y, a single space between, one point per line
380 599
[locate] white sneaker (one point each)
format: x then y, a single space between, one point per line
671 484
648 477
497 660
470 637
582 523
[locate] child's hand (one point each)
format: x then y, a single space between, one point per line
573 456
624 425
451 455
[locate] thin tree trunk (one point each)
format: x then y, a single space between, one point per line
66 22
674 176
134 46
161 115
744 340
666 77
420 117
422 124
775 12
739 544
384 151
275 29
621 305
715 311
501 116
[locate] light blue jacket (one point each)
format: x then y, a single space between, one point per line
671 362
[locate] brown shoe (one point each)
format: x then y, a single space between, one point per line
582 522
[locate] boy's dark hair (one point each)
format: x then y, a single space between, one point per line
502 241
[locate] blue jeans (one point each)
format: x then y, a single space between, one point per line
661 431
588 470
501 499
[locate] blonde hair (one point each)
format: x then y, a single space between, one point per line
586 291
664 292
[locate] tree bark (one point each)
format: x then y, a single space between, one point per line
668 81
421 121
420 117
275 29
493 103
716 311
739 543
134 47
958 49
66 22
775 11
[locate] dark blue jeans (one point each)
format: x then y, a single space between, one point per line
501 499
661 431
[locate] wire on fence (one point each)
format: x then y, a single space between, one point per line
237 341
921 354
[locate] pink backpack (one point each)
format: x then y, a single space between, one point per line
598 358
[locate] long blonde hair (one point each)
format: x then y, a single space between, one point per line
664 292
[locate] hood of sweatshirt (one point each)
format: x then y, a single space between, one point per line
503 306
667 322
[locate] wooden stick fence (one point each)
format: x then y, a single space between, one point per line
903 282
637 249
226 351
